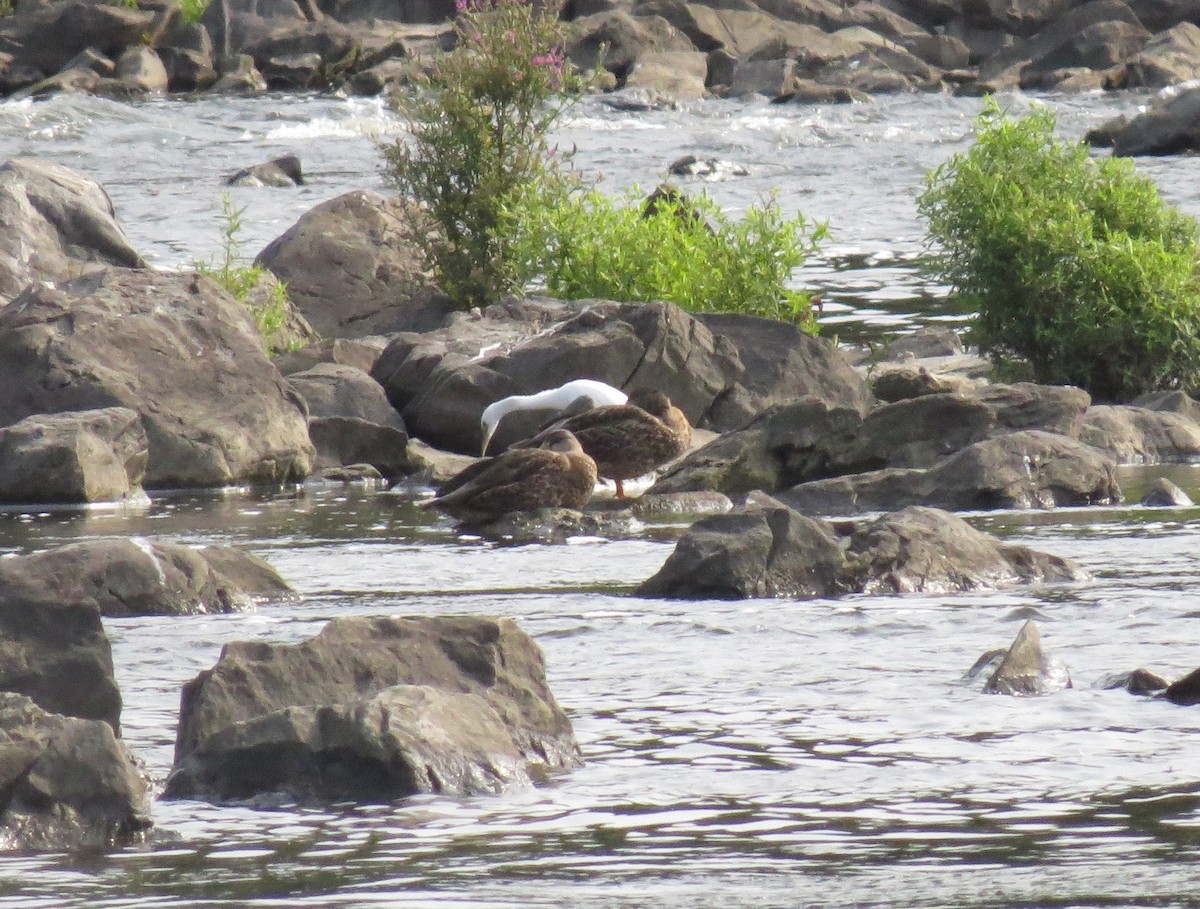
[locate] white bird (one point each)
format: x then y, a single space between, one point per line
599 393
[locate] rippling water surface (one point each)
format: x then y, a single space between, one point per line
754 753
858 167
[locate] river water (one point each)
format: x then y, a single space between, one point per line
754 753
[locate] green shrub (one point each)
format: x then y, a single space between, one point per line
229 269
477 133
193 10
685 250
1074 264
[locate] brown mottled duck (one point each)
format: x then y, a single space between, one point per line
555 474
628 440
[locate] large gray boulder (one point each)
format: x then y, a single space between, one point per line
678 74
82 456
175 348
372 709
1031 469
785 445
48 34
810 440
617 40
1170 402
442 388
1138 435
66 783
1066 41
882 68
780 363
353 268
351 421
1169 58
57 225
1170 126
921 431
773 551
141 70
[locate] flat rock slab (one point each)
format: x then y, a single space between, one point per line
1031 469
372 709
1138 435
773 551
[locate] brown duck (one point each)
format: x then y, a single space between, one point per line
627 440
555 474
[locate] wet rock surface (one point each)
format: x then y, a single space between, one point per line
120 578
66 783
1027 669
373 709
774 551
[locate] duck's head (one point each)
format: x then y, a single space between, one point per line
560 440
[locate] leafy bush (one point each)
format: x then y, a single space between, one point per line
686 250
477 133
1075 264
193 10
268 305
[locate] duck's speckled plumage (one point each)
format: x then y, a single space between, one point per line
556 474
628 440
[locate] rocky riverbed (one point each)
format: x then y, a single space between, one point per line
876 706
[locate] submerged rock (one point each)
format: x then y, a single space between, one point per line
770 550
1026 668
282 171
1185 691
557 525
1140 681
372 709
1165 494
66 783
118 578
